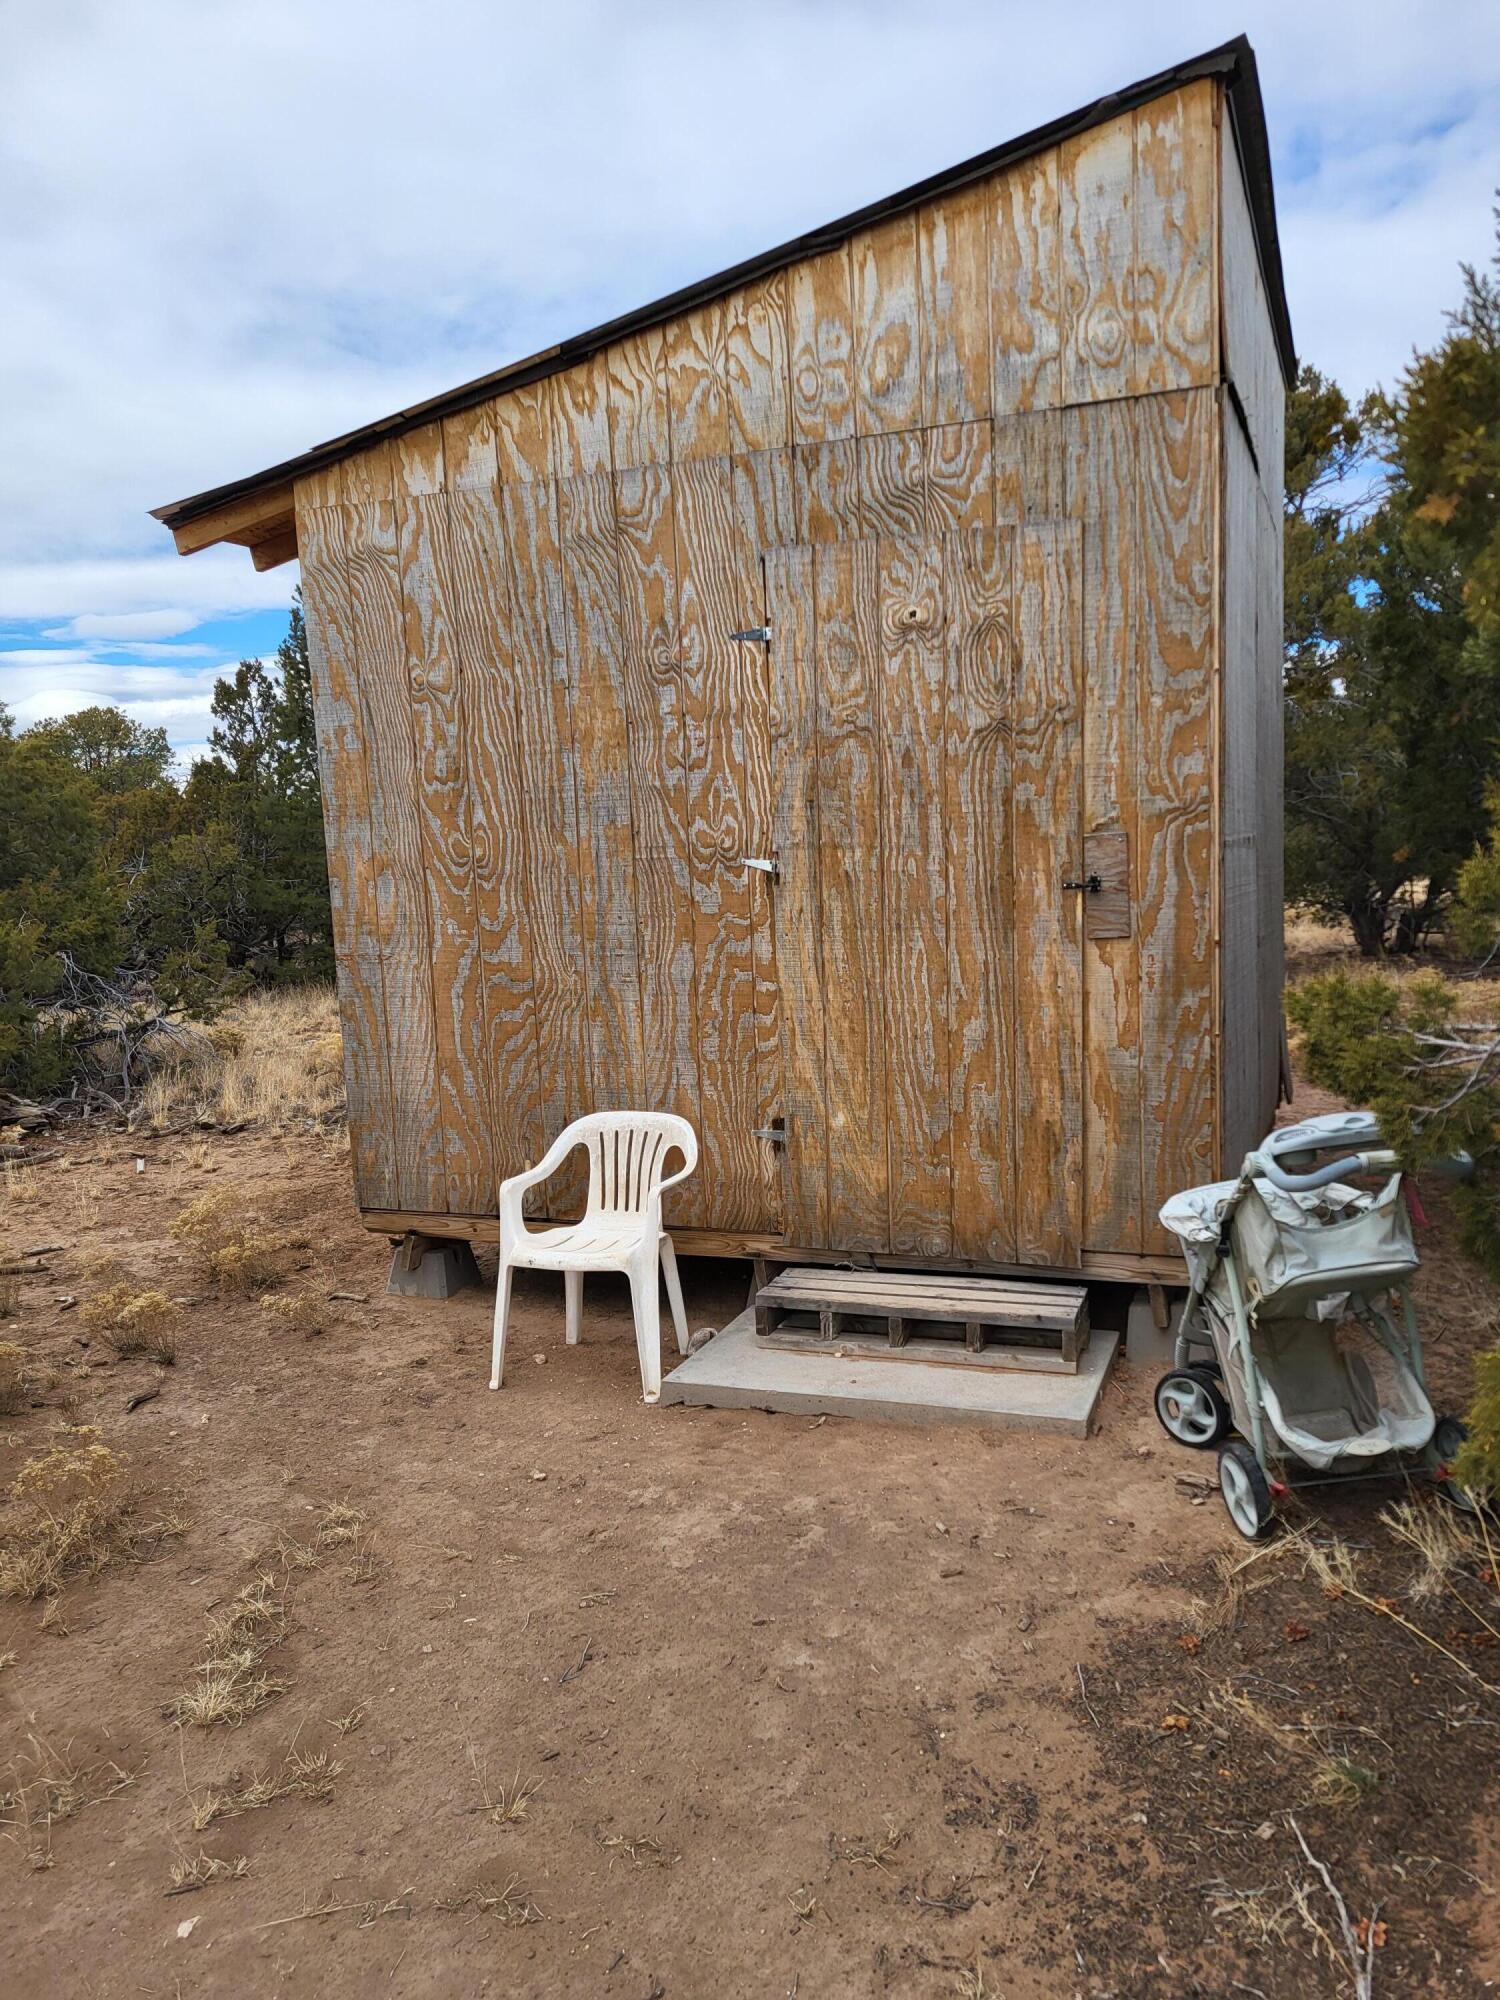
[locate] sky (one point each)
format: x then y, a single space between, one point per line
227 233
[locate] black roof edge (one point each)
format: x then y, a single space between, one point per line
1234 61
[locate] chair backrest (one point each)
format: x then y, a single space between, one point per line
628 1156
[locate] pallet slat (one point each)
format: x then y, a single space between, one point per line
978 1308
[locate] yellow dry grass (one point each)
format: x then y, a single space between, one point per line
230 1247
298 1312
12 1378
135 1322
300 1776
274 1060
231 1681
47 1785
72 1514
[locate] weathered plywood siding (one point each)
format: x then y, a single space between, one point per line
977 449
1251 953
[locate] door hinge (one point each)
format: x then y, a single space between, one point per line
757 635
763 865
774 1133
1090 885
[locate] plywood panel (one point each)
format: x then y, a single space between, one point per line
1030 467
1047 821
523 434
697 387
953 249
711 605
826 478
639 425
503 837
580 419
893 485
887 328
790 603
1175 317
912 721
396 855
1178 484
765 498
980 642
544 711
757 367
960 477
441 799
322 542
1026 310
1096 207
1269 722
1239 792
606 847
850 871
820 340
1100 442
663 877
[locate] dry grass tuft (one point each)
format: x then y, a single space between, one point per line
347 1724
232 1681
10 1284
23 1184
511 1803
301 1312
1442 1539
74 1516
229 1248
300 1776
873 1853
511 1905
274 1060
12 1378
973 1985
135 1322
202 1869
48 1786
640 1847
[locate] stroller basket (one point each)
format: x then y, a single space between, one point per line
1296 1249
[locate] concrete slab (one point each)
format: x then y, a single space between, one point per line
735 1371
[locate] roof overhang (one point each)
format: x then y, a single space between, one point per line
257 511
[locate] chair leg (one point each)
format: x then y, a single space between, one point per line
674 1292
502 1315
573 1288
644 1297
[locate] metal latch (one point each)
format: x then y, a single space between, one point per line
775 1132
757 635
1090 885
759 862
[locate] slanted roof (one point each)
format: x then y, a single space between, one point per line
257 510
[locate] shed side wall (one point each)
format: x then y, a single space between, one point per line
548 753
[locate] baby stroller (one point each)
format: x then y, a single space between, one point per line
1299 1330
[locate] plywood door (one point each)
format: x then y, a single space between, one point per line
927 773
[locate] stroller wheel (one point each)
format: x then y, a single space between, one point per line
1246 1490
1448 1435
1191 1407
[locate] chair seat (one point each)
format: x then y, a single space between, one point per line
578 1246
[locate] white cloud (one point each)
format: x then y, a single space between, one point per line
227 233
127 625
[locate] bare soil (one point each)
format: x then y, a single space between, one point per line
809 1708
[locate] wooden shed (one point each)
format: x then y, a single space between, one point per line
841 703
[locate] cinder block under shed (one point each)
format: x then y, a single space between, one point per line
738 1371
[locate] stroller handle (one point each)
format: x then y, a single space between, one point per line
1336 1170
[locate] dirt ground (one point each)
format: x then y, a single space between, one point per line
807 1708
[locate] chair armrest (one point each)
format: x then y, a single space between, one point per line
511 1190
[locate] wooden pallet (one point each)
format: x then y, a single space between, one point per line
983 1322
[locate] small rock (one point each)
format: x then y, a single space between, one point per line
539 1475
1024 1622
186 1928
700 1338
540 1360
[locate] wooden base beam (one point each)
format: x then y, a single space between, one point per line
1103 1266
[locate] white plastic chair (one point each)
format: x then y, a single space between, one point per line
620 1230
